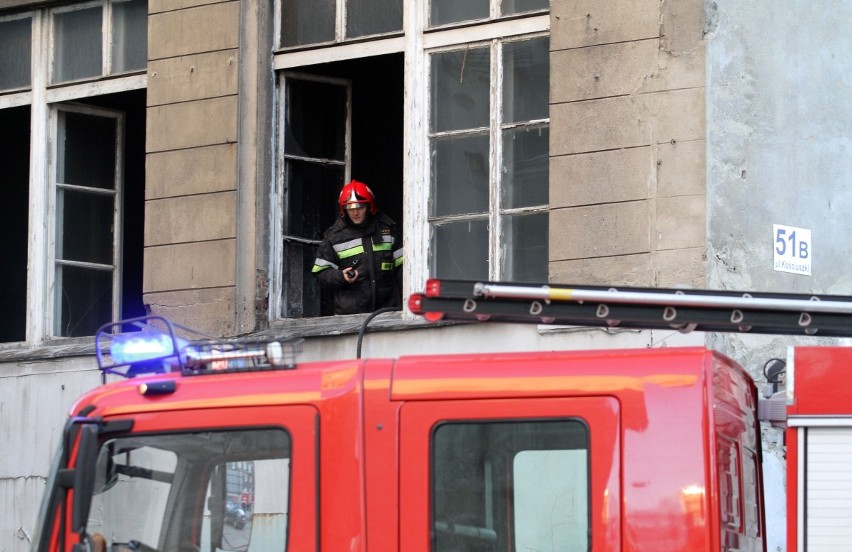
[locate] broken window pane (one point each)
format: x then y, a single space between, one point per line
459 175
510 7
85 300
525 167
310 208
87 150
15 36
129 35
525 246
307 21
77 46
460 89
442 12
526 83
460 250
316 119
87 226
369 17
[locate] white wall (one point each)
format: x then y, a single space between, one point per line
779 151
35 398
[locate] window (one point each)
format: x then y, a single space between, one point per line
340 121
448 124
306 22
73 155
81 49
504 486
15 43
315 167
205 488
442 12
489 166
87 215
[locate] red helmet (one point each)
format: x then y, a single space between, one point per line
356 194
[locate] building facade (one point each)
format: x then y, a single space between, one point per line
182 158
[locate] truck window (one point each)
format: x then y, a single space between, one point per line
202 492
510 486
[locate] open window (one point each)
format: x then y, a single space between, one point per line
73 156
457 93
338 121
97 182
14 217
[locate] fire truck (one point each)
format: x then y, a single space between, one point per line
219 445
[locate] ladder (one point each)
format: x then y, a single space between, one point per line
684 310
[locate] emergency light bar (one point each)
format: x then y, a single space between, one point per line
226 356
156 348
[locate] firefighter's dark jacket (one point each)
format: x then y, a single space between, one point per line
374 249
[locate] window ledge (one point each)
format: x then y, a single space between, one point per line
48 350
345 325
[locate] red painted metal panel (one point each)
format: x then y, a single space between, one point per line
820 374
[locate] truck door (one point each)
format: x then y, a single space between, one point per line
205 480
510 475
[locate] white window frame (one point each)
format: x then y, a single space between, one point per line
106 38
494 9
417 42
417 198
339 30
497 240
41 97
55 218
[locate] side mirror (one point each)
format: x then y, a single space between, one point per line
84 477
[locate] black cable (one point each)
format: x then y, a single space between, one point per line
366 321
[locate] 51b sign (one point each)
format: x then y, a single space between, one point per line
792 249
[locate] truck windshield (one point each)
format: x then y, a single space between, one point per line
201 492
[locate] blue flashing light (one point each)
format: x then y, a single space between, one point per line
143 346
154 349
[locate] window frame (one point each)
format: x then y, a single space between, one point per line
281 199
494 8
340 37
55 218
42 98
106 41
497 236
416 42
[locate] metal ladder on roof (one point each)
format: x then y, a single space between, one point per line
632 307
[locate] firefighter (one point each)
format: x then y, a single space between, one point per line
360 257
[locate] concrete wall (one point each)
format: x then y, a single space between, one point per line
35 398
779 114
627 170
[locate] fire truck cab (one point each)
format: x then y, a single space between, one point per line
628 450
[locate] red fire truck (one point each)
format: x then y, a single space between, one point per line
621 450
